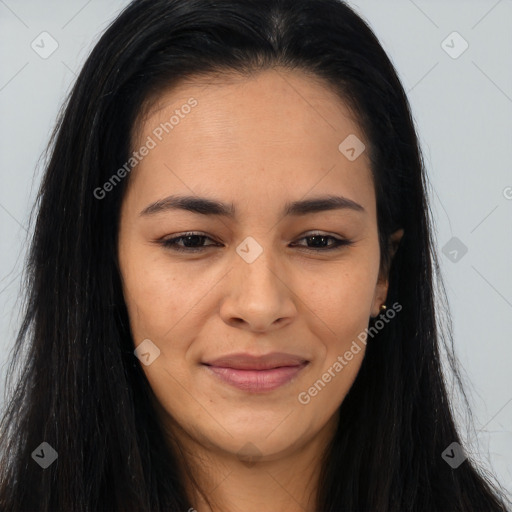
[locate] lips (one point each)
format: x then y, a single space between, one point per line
256 373
251 362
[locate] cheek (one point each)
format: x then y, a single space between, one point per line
341 301
155 306
167 303
341 314
153 291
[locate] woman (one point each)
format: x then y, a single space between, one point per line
231 279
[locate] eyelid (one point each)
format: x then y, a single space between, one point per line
340 241
171 243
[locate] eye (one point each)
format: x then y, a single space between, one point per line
320 242
190 241
193 242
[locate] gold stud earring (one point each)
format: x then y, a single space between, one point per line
383 307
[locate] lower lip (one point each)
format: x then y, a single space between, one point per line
256 380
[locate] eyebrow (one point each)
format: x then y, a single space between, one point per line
206 206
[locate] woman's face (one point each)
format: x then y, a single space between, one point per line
238 332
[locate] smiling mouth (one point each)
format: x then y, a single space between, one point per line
253 379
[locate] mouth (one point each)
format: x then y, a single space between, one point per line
256 373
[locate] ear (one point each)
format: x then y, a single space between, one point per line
381 288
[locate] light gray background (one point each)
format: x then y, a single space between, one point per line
463 111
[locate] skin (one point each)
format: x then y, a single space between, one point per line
257 142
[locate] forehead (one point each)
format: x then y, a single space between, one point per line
275 131
303 102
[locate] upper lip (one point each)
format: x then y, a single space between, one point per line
243 361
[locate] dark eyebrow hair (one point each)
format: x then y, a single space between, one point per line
205 206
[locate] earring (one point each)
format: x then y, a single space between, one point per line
381 309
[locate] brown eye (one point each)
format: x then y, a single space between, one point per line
191 242
320 242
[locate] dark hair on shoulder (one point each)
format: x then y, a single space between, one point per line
82 390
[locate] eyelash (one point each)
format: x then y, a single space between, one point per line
171 243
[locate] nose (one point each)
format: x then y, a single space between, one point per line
259 295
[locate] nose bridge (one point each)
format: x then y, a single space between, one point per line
257 292
256 261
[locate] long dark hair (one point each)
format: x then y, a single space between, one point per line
82 390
